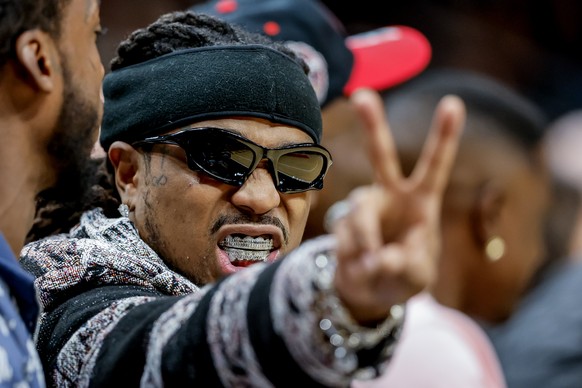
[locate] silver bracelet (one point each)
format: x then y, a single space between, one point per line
345 335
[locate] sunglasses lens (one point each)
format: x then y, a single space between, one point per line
225 158
231 159
299 170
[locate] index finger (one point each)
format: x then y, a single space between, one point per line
381 148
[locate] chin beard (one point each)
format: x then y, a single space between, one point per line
70 147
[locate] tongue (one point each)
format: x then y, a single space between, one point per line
244 263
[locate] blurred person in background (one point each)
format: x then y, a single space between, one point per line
50 108
495 209
541 345
492 224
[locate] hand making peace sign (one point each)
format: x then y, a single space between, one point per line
389 242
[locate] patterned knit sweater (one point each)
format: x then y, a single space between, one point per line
113 313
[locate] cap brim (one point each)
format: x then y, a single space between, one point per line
386 57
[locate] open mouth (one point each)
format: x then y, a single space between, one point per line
243 250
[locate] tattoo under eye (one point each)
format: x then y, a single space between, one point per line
154 180
163 153
160 180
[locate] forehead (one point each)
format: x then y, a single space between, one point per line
263 132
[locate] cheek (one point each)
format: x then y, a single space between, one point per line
527 244
182 208
189 206
297 207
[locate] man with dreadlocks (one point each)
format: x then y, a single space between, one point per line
212 135
50 108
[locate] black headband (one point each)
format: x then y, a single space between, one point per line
191 85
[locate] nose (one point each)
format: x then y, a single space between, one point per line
258 194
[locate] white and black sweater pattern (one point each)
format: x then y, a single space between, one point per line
113 313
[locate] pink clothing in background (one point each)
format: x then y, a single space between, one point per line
440 348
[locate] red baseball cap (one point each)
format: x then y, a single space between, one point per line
339 63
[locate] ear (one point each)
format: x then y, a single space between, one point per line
38 59
487 212
127 163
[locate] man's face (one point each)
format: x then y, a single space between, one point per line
192 220
80 114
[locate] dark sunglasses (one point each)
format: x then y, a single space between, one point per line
231 158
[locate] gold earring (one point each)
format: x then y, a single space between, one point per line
495 248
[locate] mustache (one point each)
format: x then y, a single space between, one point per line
245 219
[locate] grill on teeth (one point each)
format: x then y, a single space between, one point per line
242 255
247 243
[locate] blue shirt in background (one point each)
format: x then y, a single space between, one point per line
19 362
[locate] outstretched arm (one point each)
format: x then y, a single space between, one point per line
388 243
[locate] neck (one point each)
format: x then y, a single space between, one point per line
448 290
17 209
26 116
23 176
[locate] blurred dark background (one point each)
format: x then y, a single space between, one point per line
533 46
